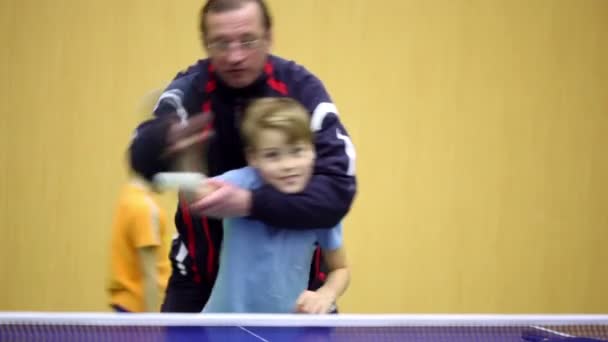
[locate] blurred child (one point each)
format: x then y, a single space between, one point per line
139 248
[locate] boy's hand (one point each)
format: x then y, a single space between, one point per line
314 303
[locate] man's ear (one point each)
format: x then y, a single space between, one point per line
269 39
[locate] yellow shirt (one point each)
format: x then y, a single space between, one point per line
138 222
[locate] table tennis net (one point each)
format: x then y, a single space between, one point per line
25 327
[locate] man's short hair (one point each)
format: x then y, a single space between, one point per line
219 6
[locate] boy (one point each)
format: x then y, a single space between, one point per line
265 269
139 246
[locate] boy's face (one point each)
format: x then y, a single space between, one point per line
285 166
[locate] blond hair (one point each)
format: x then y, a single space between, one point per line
280 113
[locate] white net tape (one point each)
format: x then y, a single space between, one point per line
293 320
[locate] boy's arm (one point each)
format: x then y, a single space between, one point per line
147 257
323 299
339 274
245 178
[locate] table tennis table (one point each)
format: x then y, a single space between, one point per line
37 326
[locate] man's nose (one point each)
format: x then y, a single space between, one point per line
235 55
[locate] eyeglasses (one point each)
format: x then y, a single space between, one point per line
224 46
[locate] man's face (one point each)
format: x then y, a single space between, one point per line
238 44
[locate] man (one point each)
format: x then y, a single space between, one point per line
237 35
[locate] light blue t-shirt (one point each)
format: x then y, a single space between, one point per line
263 269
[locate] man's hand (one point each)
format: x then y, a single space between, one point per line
185 135
313 302
185 143
193 195
226 200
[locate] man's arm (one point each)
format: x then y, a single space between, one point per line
147 147
332 188
156 141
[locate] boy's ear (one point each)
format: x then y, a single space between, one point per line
251 157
